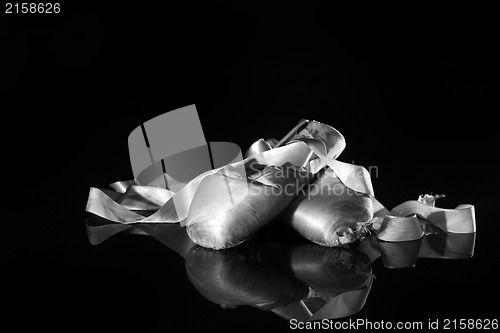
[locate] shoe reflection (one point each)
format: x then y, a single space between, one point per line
328 270
230 279
304 282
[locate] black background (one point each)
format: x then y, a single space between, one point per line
413 86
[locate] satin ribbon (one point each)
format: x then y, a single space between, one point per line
400 224
176 206
173 207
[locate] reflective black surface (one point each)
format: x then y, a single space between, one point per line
280 272
414 89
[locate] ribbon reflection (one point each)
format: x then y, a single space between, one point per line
436 245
